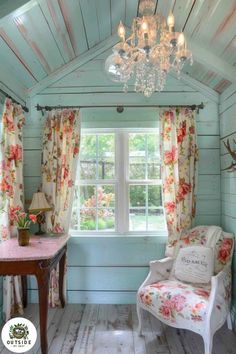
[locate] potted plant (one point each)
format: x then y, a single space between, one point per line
22 220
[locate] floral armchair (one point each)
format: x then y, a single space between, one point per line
201 308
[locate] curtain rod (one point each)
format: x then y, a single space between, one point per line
14 101
119 108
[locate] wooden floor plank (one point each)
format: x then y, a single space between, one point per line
84 341
173 340
112 329
192 342
73 329
139 341
224 341
60 333
114 332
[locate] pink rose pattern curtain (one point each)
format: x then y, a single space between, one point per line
179 167
60 152
11 193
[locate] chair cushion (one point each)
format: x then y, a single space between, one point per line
175 303
224 247
194 264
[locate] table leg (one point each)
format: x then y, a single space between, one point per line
61 279
43 277
24 290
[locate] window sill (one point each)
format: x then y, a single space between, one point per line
160 235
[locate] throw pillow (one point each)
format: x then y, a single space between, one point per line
194 264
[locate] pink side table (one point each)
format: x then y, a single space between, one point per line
39 258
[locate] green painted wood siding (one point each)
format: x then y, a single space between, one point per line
110 269
228 180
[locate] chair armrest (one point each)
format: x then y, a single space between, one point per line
220 281
220 287
159 270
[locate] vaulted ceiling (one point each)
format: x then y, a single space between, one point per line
41 38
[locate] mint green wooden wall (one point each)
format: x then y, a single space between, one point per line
110 269
228 180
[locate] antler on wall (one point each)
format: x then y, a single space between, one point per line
232 167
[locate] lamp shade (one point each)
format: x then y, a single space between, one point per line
39 203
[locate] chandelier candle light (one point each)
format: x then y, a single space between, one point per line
149 53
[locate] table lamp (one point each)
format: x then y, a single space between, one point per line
39 205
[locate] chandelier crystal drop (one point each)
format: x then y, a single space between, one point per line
149 53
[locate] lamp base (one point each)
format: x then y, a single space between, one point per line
40 220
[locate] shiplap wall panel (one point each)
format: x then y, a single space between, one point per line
102 278
228 179
107 257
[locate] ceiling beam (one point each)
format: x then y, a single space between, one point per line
73 65
199 86
211 61
14 8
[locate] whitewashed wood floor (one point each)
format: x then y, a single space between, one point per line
112 329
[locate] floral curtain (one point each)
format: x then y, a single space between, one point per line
179 169
60 152
11 193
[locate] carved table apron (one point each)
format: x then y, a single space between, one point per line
39 258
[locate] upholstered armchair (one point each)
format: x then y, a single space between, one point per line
201 308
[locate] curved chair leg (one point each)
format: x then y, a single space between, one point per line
229 321
140 315
208 342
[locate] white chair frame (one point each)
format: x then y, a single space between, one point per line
160 270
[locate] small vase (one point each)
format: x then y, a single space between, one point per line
23 237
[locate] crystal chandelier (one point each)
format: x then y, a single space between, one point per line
149 53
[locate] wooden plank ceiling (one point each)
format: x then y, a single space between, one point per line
43 36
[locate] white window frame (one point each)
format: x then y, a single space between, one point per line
121 182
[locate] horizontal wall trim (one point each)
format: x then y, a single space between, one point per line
225 108
229 216
93 297
233 194
26 149
208 135
210 148
226 136
166 98
209 174
69 91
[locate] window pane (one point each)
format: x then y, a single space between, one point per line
137 196
88 196
106 196
88 146
154 196
137 220
106 145
137 144
154 171
137 168
106 219
87 219
106 168
153 145
156 219
87 169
